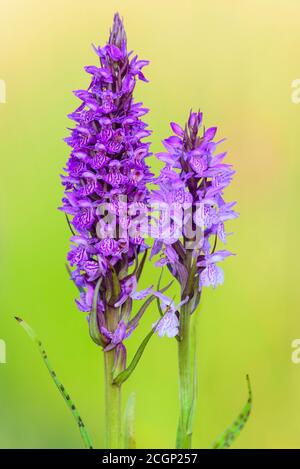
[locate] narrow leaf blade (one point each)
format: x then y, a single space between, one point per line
226 439
93 322
116 287
158 288
127 372
83 431
141 265
135 320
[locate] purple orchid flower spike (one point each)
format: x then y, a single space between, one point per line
191 222
191 187
106 191
107 169
107 173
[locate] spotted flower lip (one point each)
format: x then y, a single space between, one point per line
215 257
211 275
168 325
107 161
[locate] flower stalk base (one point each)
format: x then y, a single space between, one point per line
186 388
113 417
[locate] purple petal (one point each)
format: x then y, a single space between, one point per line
141 294
177 129
168 326
210 133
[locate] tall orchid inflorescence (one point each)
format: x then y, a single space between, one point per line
191 188
105 188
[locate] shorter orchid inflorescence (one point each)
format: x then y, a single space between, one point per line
191 188
192 183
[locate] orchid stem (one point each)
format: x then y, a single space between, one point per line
112 405
184 434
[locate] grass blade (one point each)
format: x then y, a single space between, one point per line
226 439
62 390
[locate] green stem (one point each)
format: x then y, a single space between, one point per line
184 435
113 417
112 405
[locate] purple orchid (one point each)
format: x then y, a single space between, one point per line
107 171
106 202
191 221
192 184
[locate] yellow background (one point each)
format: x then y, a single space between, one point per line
236 61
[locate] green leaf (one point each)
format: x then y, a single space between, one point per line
226 439
127 372
116 287
93 322
139 270
135 320
129 427
60 387
124 375
158 287
119 362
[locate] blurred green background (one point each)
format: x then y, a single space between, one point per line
236 61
